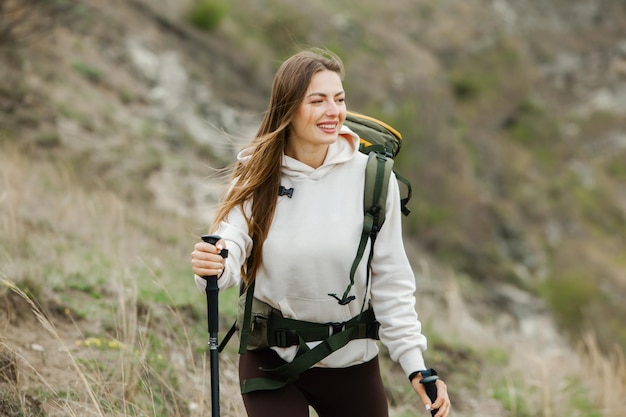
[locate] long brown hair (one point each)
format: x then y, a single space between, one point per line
258 179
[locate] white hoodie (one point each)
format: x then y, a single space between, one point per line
309 251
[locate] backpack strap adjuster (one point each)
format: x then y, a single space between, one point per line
335 328
283 338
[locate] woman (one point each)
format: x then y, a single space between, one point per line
297 247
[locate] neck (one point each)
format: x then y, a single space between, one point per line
312 156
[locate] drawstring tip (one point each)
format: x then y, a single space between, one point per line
343 301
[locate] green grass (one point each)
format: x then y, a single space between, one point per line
617 169
516 398
207 14
569 295
580 399
488 72
89 71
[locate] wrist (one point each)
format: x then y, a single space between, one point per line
424 373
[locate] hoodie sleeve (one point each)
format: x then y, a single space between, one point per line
234 231
393 291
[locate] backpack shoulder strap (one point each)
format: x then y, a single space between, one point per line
405 200
377 173
371 197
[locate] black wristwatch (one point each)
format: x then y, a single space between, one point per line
424 372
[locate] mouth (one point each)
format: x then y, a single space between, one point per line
327 127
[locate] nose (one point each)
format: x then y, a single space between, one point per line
332 109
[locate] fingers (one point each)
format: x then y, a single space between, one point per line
442 403
421 391
207 247
206 259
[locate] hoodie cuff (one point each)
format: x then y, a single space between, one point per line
412 361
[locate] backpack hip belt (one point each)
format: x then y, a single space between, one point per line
284 332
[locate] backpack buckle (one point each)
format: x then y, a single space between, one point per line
334 328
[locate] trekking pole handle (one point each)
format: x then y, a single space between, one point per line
212 291
431 389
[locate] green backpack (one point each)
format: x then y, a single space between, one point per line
381 143
378 138
262 326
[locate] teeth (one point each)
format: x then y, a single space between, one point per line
328 126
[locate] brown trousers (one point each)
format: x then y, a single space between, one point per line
333 392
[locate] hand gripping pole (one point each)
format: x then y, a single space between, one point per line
429 381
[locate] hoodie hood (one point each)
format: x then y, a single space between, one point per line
342 150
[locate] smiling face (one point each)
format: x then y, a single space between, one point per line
318 119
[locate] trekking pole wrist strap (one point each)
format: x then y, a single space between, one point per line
424 373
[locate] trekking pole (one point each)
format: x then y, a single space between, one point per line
212 291
430 385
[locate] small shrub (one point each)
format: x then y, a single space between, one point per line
91 73
568 295
207 14
617 169
489 72
48 140
599 210
531 123
465 88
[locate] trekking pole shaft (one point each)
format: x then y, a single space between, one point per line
212 312
212 293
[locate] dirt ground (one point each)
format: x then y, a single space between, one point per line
30 355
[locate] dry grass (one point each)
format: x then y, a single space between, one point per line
526 367
607 373
130 375
110 321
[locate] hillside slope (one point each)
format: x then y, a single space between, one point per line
116 123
